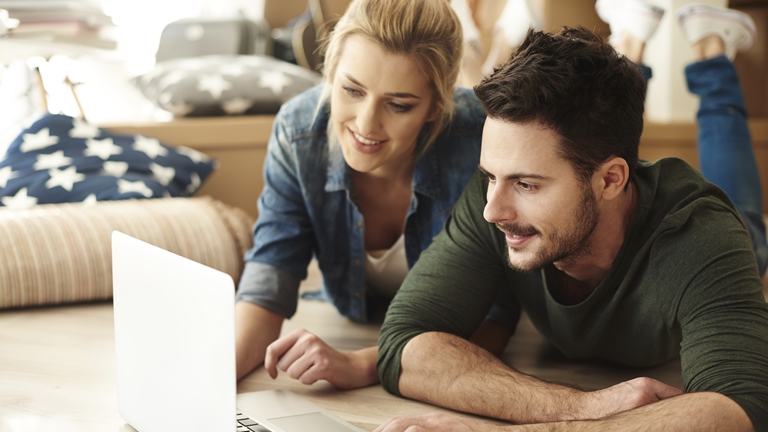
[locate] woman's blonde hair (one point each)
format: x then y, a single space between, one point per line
427 31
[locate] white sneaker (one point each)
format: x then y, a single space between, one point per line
468 26
515 20
736 28
638 18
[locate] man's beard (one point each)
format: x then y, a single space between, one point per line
566 245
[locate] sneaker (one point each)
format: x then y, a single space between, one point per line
638 18
515 20
468 26
736 28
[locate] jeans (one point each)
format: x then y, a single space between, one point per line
724 143
726 157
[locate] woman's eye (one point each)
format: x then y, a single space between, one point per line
350 91
400 108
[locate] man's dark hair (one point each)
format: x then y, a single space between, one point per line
579 86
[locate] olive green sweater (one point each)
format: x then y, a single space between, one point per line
685 283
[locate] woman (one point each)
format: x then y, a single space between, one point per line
361 173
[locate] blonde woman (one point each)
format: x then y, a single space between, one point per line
361 173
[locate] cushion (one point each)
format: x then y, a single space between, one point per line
61 253
64 159
224 84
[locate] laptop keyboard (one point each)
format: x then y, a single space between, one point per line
246 424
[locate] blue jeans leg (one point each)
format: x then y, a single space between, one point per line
725 146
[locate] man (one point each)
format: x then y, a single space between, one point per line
612 258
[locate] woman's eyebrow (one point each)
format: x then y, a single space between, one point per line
391 94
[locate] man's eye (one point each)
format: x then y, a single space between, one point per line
525 186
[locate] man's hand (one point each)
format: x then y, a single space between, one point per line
305 357
433 422
627 396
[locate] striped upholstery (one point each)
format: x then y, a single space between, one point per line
60 253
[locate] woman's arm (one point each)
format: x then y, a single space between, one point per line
255 328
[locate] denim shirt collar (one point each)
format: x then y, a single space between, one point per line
426 175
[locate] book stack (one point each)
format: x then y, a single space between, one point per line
77 22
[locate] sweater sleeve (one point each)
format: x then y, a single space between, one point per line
452 286
724 319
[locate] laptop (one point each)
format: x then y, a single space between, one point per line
175 351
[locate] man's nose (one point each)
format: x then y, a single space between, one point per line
500 205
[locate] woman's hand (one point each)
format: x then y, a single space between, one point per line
305 357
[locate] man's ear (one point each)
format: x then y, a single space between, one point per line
613 177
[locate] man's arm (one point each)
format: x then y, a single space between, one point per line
689 412
448 371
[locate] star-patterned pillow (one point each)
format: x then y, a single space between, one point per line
224 84
64 159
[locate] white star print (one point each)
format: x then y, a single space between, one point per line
83 129
5 175
64 178
53 160
150 146
102 148
125 186
20 201
213 84
195 183
38 141
236 106
90 200
163 174
172 78
194 155
232 70
274 80
180 109
117 169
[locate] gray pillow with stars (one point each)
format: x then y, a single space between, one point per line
224 84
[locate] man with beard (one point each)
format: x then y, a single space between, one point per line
612 258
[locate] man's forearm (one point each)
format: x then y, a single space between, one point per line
448 371
698 412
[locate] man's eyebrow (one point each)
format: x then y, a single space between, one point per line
514 176
393 94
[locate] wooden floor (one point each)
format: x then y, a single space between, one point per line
57 368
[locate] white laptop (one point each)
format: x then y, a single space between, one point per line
175 350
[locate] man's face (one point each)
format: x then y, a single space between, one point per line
534 196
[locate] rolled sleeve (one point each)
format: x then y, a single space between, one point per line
270 288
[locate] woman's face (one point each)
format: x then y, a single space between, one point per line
379 102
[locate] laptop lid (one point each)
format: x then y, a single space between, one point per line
174 340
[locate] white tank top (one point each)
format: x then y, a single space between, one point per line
385 269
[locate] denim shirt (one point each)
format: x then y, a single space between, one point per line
307 206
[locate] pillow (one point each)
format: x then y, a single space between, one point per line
224 84
61 253
64 159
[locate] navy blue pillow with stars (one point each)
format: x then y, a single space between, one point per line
65 159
